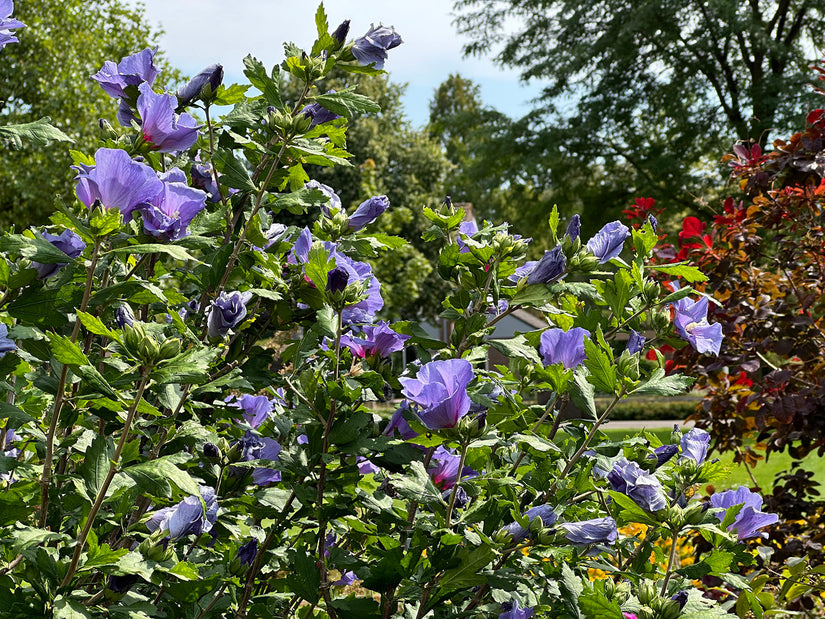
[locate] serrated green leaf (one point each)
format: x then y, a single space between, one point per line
269 86
36 249
94 325
37 133
602 371
66 351
690 273
347 103
155 477
659 384
175 251
466 574
96 462
233 173
516 348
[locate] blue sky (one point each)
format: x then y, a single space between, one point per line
201 32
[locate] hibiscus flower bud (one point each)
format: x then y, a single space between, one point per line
203 86
340 33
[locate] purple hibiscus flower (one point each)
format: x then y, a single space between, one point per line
6 344
337 280
367 212
365 309
124 316
329 192
465 228
187 517
227 312
630 479
318 114
131 71
117 181
202 178
163 129
172 210
247 552
372 47
544 512
550 268
695 445
440 391
7 23
574 227
444 468
691 322
565 347
513 611
399 424
69 243
595 531
664 453
750 518
191 91
609 241
375 340
254 447
347 579
636 342
256 408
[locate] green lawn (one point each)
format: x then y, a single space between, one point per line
765 472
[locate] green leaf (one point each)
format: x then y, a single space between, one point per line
417 485
305 578
230 95
36 249
175 251
66 351
659 384
155 477
321 23
105 221
65 608
602 371
96 462
553 224
37 133
269 86
690 273
17 417
466 574
233 172
595 605
535 442
582 391
571 589
318 266
299 200
347 103
95 325
631 512
189 367
516 348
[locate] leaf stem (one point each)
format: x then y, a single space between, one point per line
454 493
45 478
670 562
113 466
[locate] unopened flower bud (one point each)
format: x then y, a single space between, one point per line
124 316
169 348
203 86
340 33
106 130
337 280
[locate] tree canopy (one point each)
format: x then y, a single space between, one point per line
47 74
648 93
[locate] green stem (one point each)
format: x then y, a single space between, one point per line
585 445
101 493
455 485
670 562
550 406
259 558
45 479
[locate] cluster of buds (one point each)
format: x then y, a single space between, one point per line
146 348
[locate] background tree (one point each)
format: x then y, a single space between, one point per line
641 95
47 74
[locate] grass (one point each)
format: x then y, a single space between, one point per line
764 472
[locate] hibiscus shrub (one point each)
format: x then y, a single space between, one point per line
189 387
